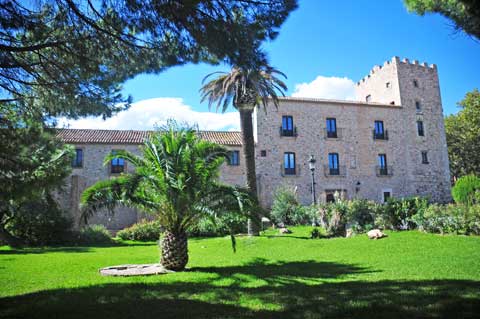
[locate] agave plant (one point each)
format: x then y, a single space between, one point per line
175 180
245 88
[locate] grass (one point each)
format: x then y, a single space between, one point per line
408 274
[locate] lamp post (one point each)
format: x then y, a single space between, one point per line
311 164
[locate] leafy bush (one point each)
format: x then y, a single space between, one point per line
287 210
449 219
142 231
223 225
333 217
93 235
467 190
361 214
39 222
397 213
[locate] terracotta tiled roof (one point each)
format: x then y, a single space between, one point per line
84 136
332 101
222 137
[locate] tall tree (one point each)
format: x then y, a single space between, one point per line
245 88
464 13
70 57
32 162
176 180
463 136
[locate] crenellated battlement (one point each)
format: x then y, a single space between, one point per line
399 63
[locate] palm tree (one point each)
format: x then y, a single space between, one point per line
245 88
176 180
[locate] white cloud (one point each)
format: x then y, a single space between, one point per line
327 88
144 115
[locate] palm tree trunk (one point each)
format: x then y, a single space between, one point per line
248 145
174 250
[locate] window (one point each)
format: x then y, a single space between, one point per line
287 126
382 164
289 163
330 198
331 128
263 153
117 165
386 196
234 158
418 107
77 161
420 130
387 85
368 98
379 131
424 157
333 164
415 83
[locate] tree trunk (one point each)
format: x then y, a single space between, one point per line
7 238
174 250
248 145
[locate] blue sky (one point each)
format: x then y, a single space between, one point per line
338 41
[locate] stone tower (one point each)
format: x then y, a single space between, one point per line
416 88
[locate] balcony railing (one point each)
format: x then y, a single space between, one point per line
384 170
292 132
340 171
380 135
289 171
338 134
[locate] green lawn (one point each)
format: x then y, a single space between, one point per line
408 274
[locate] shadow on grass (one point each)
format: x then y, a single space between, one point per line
282 272
297 297
286 236
70 249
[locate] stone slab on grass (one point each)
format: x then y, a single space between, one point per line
134 270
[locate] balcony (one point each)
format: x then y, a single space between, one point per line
384 171
288 133
336 135
286 172
341 171
380 135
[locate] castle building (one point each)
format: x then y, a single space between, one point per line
389 143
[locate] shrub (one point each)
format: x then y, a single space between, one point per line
220 226
333 217
467 190
397 213
286 209
93 235
361 214
315 233
449 219
39 222
142 231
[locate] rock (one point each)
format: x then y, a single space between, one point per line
349 233
376 234
284 230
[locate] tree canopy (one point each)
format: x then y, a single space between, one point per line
32 162
176 180
464 13
70 57
463 136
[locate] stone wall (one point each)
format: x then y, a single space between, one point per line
93 170
392 100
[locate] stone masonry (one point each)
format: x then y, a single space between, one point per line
392 91
400 93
